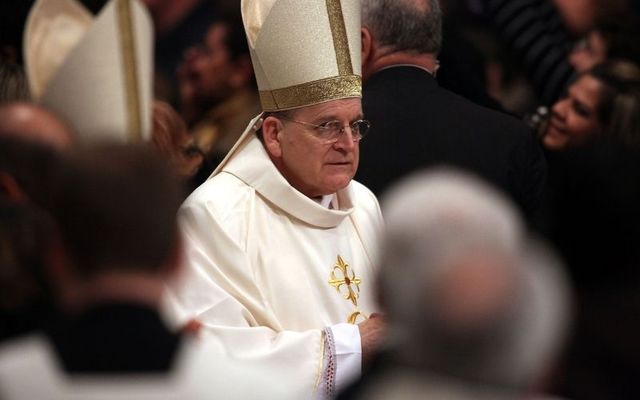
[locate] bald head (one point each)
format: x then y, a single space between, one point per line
33 123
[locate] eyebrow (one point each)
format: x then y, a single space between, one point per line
333 117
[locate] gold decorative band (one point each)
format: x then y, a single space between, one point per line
127 43
340 40
310 93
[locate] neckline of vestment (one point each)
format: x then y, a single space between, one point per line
252 165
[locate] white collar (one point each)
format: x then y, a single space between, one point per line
252 165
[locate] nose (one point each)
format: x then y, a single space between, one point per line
559 109
347 140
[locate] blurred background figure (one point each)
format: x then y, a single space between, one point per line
35 124
172 140
13 83
540 33
596 228
25 298
604 101
218 93
31 140
476 310
611 38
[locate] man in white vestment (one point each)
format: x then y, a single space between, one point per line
280 242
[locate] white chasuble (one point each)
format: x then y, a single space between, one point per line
268 269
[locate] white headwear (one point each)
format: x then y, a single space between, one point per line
94 73
304 52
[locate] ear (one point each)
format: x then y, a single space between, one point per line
59 270
11 189
271 135
367 45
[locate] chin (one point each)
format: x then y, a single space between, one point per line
338 184
554 142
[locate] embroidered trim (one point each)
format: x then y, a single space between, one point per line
130 67
327 386
339 34
309 93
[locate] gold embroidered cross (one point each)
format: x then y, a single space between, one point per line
348 281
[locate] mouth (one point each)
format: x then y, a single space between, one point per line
340 163
556 127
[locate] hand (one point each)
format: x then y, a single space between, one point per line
192 328
371 336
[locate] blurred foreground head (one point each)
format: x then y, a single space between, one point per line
30 139
33 123
116 205
467 295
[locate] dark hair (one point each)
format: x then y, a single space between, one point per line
116 205
13 83
235 38
236 41
403 25
619 100
621 34
24 236
32 165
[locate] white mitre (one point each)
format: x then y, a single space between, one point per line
304 52
95 73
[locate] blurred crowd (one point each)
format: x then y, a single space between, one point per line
503 274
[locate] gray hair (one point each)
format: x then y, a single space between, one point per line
449 239
405 25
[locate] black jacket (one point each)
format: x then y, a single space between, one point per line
417 124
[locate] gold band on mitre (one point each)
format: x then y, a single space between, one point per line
320 91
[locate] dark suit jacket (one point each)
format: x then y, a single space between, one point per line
416 124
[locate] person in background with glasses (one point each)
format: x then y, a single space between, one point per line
280 241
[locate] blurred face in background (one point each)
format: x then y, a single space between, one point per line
578 15
588 52
574 118
208 69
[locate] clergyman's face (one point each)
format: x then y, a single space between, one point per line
313 167
574 118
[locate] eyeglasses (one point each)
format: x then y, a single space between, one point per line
331 131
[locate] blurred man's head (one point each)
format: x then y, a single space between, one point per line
116 206
465 295
34 123
30 138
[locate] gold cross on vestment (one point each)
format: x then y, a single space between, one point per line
348 281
